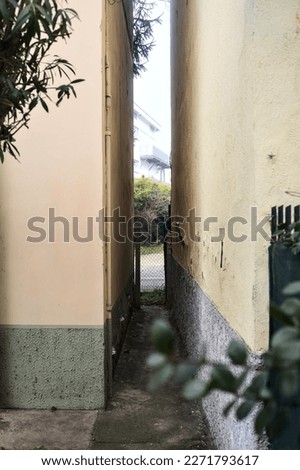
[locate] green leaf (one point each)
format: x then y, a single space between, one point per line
23 17
78 80
289 382
279 232
44 104
264 417
163 336
265 394
223 379
245 409
291 306
156 360
1 155
47 29
285 347
284 336
160 377
296 249
295 236
241 378
185 371
292 289
287 354
196 388
14 3
257 384
3 10
228 408
33 104
237 352
44 12
280 315
294 225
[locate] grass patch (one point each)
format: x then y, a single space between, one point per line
154 297
149 250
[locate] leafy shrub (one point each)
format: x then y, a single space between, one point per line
289 235
151 207
28 30
249 389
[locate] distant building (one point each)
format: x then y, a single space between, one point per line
149 160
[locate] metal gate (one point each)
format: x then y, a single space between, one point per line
150 283
284 267
150 266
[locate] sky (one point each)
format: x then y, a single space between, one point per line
152 89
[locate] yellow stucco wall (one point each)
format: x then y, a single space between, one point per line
119 155
235 95
61 167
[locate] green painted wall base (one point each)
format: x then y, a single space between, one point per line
52 367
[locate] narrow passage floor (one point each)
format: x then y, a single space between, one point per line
137 419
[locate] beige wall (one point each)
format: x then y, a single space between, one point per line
120 145
61 166
235 101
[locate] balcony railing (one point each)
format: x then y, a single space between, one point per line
154 155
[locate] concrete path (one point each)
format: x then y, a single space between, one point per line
45 429
135 419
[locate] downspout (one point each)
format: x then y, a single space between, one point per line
108 212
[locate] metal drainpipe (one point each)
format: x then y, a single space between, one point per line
108 212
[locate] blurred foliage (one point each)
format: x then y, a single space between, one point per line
248 389
28 30
151 209
289 235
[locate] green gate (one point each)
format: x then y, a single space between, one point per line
284 267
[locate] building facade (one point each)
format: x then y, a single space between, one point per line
61 315
235 154
149 160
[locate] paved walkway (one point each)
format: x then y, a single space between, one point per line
135 419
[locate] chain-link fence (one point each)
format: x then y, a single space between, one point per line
152 268
150 273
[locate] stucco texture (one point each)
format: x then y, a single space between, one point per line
235 122
119 154
202 328
61 167
52 367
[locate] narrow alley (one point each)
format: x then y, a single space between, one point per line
171 182
137 419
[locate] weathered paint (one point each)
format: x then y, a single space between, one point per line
202 329
235 126
119 161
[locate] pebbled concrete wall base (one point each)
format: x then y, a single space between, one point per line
199 323
121 314
45 367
